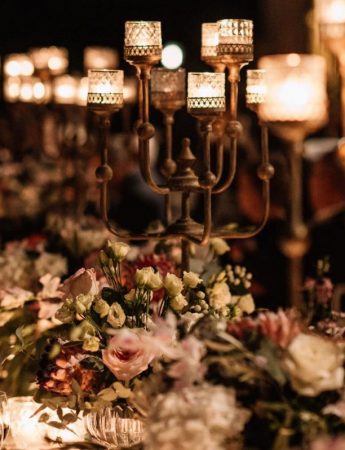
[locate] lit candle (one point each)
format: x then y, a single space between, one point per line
330 11
168 88
256 88
54 59
209 39
296 89
105 88
11 89
18 64
143 41
100 58
206 92
235 40
65 89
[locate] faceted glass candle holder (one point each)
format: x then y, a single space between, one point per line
18 64
206 92
53 59
168 88
296 89
256 88
331 17
105 89
235 40
143 41
65 89
100 58
209 40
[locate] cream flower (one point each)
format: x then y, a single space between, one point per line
246 303
101 307
178 302
191 279
173 285
219 246
219 296
128 353
82 282
146 277
91 344
119 250
314 365
116 316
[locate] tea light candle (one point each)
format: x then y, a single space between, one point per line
100 58
105 88
18 64
256 88
65 89
296 88
209 40
206 92
143 40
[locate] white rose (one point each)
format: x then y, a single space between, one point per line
101 307
143 276
246 304
154 282
119 250
91 344
178 302
173 285
219 296
116 317
191 279
219 246
314 365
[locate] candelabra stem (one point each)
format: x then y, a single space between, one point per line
342 74
185 262
234 129
169 165
208 179
296 244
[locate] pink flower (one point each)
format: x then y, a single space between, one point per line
129 353
82 282
281 327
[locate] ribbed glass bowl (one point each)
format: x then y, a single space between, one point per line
114 428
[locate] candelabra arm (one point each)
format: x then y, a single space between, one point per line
145 165
219 159
208 179
169 165
104 174
265 173
233 129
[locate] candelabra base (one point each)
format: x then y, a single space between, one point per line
185 226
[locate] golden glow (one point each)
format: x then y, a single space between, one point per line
172 56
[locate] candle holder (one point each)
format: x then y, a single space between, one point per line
206 102
209 46
331 18
295 106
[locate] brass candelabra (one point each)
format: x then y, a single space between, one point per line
230 49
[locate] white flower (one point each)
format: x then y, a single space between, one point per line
50 287
314 365
202 418
219 296
191 279
219 246
101 307
178 302
91 344
246 304
118 249
173 285
116 317
55 265
146 277
14 298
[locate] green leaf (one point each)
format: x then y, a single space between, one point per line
271 353
108 394
121 390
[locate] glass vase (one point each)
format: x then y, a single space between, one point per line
115 427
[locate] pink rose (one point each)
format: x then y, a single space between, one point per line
82 282
129 353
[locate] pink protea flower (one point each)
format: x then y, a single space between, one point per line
281 327
241 328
